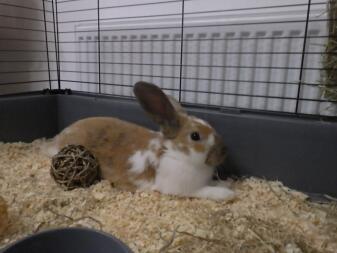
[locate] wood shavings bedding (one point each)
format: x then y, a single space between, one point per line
265 217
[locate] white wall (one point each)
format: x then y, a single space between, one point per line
23 57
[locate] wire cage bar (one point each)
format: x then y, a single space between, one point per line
263 56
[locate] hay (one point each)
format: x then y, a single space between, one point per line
265 217
330 57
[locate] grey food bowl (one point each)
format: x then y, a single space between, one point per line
68 240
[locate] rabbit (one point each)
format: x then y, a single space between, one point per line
179 159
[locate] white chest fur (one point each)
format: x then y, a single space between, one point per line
181 173
177 173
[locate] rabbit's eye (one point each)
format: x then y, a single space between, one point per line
195 136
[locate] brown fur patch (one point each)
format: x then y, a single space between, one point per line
112 141
148 174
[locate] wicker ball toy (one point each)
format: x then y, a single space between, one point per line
75 166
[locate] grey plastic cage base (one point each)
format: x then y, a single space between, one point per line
302 153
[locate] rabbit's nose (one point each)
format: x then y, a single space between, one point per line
217 154
220 145
223 150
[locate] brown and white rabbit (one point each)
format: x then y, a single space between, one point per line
179 159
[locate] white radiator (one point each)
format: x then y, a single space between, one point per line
249 61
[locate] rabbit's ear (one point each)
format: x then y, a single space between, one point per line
158 106
177 106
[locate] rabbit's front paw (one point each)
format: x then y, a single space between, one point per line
215 193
